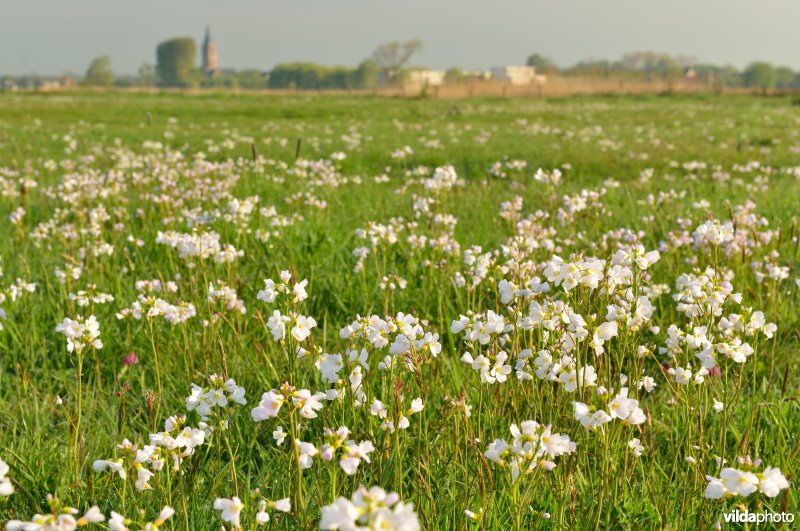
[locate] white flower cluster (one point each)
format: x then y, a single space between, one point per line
400 421
532 446
304 401
288 298
13 292
80 333
702 298
219 291
62 518
552 178
90 296
299 325
732 482
282 293
444 178
621 407
373 510
350 452
217 399
200 245
171 447
403 334
713 232
153 307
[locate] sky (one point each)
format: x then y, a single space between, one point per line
63 36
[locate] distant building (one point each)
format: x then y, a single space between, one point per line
419 79
209 60
477 74
515 75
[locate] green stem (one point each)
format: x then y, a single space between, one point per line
233 464
78 414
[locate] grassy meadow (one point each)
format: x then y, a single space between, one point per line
472 265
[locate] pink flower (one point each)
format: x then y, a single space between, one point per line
130 359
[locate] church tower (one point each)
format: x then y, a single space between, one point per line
209 60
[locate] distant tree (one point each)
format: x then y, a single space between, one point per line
99 73
784 78
311 76
175 65
251 79
542 64
652 65
126 80
228 81
731 77
454 75
296 76
392 56
760 75
591 68
365 76
147 75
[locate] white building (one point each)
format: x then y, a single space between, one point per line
418 79
516 75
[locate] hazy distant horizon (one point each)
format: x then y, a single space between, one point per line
51 37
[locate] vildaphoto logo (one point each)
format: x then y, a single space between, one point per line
742 517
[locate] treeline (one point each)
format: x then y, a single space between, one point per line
652 66
311 76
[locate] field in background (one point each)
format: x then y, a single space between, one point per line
112 170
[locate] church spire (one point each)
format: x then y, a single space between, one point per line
209 54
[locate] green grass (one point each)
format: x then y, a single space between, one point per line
438 463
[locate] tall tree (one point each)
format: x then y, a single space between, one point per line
99 73
784 78
175 66
392 56
760 75
365 76
542 64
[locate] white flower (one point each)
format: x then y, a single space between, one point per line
306 451
142 477
587 418
603 333
283 505
117 522
268 294
92 516
164 515
302 327
279 435
277 325
354 454
772 482
738 482
341 514
114 466
269 406
231 509
6 488
715 489
309 404
636 447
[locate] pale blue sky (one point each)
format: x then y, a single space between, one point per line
55 36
